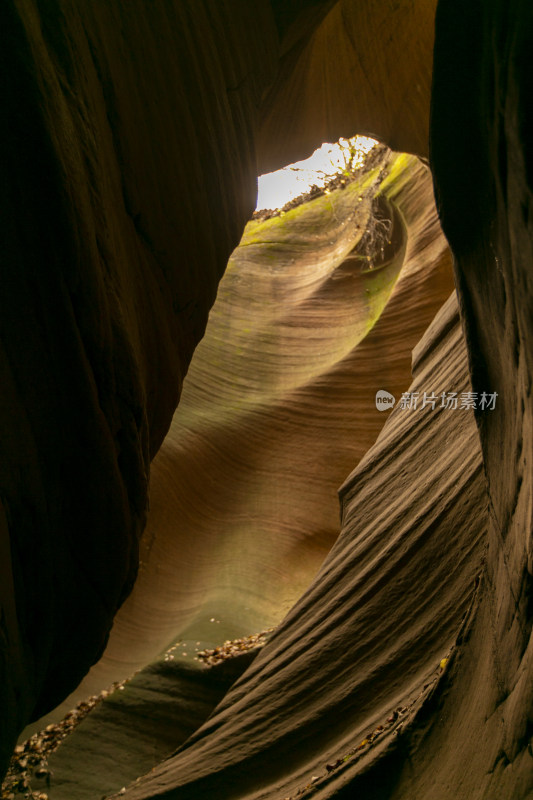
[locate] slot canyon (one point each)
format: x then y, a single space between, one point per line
225 571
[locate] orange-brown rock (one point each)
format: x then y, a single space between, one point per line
393 597
131 135
278 404
115 115
366 67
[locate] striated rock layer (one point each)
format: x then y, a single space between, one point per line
108 273
482 98
278 406
130 138
390 601
129 161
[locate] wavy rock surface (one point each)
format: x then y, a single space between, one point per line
284 377
129 167
128 141
368 636
107 278
278 405
491 695
136 727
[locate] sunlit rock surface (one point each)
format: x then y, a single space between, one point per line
278 406
389 603
128 137
131 136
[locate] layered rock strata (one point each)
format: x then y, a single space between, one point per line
389 604
484 181
278 406
127 133
108 272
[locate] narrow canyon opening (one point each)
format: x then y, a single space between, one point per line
277 409
317 572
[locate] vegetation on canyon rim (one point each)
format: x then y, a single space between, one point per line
354 164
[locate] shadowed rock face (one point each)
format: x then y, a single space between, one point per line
484 184
131 136
365 68
108 272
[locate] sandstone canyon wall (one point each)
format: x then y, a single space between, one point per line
131 141
278 405
108 275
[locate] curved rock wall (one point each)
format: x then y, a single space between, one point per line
482 98
128 139
366 68
368 636
108 273
278 405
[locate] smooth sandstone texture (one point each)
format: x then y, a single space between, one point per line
135 728
368 636
108 272
278 405
365 68
129 146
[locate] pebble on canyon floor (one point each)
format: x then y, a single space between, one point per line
28 775
233 648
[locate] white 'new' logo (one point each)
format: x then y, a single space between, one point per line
384 400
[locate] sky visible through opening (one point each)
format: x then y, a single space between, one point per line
276 188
